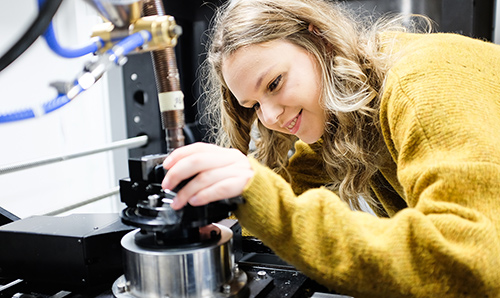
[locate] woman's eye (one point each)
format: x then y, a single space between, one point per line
274 84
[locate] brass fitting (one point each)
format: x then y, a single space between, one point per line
164 31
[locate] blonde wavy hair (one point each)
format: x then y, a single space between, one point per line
353 70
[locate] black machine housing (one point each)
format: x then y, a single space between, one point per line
148 207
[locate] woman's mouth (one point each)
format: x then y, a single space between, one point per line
294 124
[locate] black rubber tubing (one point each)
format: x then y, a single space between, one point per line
37 28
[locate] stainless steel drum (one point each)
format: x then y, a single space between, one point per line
184 272
119 12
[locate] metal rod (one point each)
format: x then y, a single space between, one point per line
109 193
11 284
128 143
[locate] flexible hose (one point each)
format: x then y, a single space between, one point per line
28 113
51 39
36 29
118 51
53 44
129 43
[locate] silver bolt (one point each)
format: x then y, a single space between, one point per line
122 60
176 31
226 289
121 287
261 274
134 76
153 200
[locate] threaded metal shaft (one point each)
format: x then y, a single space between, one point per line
167 80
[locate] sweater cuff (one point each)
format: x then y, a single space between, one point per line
259 193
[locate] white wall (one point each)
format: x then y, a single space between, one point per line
86 122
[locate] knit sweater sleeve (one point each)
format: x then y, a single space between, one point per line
441 123
306 168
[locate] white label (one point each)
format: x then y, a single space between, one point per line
173 100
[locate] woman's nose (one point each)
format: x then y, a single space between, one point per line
269 113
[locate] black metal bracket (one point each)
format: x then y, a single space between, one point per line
6 217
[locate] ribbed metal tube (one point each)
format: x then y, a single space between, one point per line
167 82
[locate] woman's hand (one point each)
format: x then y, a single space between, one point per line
221 173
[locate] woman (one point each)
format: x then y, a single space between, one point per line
408 122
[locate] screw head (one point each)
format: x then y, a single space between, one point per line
226 289
262 274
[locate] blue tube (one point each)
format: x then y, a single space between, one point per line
19 115
121 49
135 40
47 107
51 39
55 104
125 46
130 43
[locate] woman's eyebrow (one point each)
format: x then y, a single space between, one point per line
262 76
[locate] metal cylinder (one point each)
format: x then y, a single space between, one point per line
186 272
120 13
168 84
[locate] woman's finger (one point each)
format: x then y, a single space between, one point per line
217 173
211 185
223 189
182 152
197 162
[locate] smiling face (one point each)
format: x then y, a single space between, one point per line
282 82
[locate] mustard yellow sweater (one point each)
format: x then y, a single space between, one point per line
440 117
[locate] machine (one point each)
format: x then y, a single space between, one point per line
175 253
